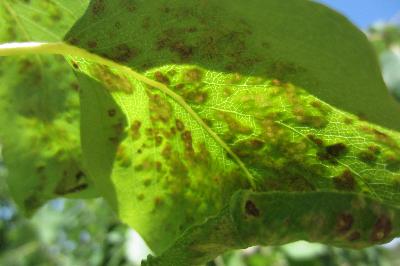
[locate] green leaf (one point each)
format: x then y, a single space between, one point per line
39 106
166 163
297 40
225 116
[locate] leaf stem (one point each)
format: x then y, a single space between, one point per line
60 48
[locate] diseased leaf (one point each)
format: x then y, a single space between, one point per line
227 110
39 106
233 96
296 40
166 165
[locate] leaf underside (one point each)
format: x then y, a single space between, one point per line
242 76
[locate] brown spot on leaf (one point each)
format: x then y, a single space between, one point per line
92 44
98 6
179 125
79 175
134 130
234 125
251 209
283 71
381 136
73 41
354 236
75 65
332 152
123 53
345 181
382 229
317 141
160 109
187 139
111 112
183 50
344 223
369 155
193 75
113 81
160 77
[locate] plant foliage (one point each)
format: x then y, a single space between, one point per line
206 125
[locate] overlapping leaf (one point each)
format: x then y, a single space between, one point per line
40 107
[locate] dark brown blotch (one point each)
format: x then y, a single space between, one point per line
332 152
251 209
111 112
336 150
79 175
75 65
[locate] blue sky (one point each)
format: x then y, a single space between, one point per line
365 12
